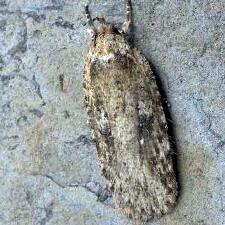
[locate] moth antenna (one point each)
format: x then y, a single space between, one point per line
128 22
91 30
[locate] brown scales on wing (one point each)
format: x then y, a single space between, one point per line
128 123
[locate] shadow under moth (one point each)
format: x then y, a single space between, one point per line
128 123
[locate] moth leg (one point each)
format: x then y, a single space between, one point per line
91 30
128 22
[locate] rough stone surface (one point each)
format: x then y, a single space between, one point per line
49 171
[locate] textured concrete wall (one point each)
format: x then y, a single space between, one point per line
49 171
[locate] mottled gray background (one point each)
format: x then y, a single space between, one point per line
49 173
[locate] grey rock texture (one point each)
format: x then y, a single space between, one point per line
49 171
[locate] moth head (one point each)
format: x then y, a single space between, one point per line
105 28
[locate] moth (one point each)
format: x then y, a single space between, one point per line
128 123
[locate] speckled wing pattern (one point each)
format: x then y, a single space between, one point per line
130 130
